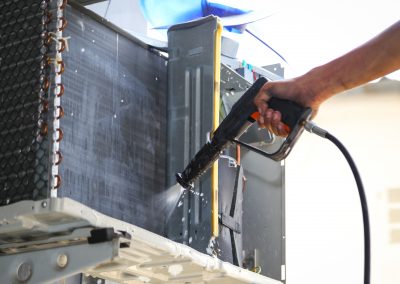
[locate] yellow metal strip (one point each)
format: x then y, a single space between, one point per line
214 171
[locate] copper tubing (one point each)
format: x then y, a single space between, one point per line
60 134
49 60
58 62
49 17
58 184
46 84
61 88
63 44
44 129
63 5
45 105
60 112
59 158
238 154
47 39
63 24
62 67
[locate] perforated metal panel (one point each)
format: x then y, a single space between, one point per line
25 50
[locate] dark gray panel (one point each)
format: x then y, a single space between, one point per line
115 122
230 197
264 213
190 105
190 113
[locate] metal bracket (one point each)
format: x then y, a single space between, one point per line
54 263
230 223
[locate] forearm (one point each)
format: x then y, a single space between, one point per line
374 59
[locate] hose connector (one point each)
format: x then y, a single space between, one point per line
313 128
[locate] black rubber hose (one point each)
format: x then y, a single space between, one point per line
364 206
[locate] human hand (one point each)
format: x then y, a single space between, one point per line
293 90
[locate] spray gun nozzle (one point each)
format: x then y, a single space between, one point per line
182 182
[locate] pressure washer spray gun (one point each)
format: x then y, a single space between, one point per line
242 115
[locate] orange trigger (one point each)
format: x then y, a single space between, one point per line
255 115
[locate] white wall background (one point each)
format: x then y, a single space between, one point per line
312 32
324 223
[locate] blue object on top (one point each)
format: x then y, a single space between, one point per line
222 10
165 13
162 14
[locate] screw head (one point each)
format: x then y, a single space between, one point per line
44 204
24 271
62 260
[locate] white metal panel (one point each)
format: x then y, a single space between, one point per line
141 257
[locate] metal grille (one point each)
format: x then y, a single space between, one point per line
25 49
108 103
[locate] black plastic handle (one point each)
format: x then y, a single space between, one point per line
290 111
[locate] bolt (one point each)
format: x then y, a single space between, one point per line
44 204
24 271
62 260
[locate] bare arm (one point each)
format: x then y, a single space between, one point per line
372 60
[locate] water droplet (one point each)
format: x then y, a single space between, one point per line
115 116
82 49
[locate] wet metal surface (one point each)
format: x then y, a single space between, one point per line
114 124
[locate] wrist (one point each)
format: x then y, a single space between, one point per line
310 89
319 84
